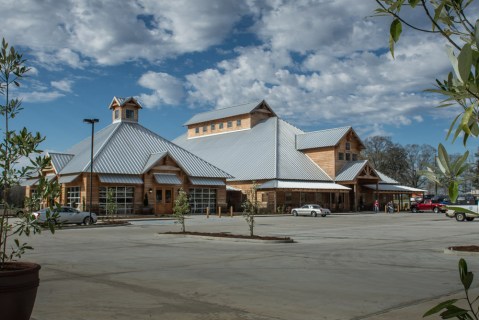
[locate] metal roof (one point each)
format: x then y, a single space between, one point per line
122 101
385 179
267 151
154 158
29 182
321 139
206 182
393 188
127 148
67 178
167 178
226 112
350 170
120 178
59 160
286 184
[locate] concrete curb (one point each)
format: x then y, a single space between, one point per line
225 238
460 253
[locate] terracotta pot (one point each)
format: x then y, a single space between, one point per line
18 289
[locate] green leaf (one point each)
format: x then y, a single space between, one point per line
453 190
465 62
443 159
476 33
395 29
439 307
413 3
453 60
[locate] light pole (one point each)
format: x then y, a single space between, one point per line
92 122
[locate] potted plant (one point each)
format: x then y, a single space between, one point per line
18 280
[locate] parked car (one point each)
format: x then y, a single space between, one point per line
67 215
13 212
464 209
311 210
428 205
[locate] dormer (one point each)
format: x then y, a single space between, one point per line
237 118
124 109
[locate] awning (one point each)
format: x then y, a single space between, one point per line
49 177
206 181
393 188
29 182
120 178
230 188
67 178
167 178
287 184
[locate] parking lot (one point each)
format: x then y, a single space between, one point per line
345 266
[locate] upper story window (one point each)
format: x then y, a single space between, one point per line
341 156
197 130
229 124
205 128
213 126
348 145
130 114
220 126
238 123
117 114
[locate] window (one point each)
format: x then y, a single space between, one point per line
213 127
341 156
355 156
202 198
288 197
159 196
348 156
117 114
229 124
122 196
197 130
168 196
205 128
73 197
238 123
348 145
264 197
130 114
220 126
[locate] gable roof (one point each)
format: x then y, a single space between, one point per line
386 179
59 160
228 112
351 170
129 148
323 138
266 151
122 101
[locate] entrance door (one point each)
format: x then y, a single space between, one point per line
164 200
168 200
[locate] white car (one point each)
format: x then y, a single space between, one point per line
67 215
311 210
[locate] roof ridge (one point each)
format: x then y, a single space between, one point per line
100 149
330 129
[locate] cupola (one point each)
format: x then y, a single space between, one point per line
125 109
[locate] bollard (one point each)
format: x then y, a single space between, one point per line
219 212
207 212
231 211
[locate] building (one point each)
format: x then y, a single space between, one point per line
290 167
137 165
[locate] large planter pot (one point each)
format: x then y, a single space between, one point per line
18 288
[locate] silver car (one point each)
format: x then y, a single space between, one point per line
311 210
67 215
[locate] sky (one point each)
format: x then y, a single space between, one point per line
319 64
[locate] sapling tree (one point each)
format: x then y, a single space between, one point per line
111 205
250 208
181 208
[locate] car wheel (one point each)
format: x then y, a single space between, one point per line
470 219
314 214
460 216
414 210
295 213
436 210
51 221
88 221
324 215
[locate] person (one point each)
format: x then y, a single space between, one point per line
376 206
390 207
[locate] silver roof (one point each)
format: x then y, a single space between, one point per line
59 160
120 178
127 148
122 101
226 112
386 179
266 151
167 178
287 184
393 188
350 170
206 182
321 138
68 178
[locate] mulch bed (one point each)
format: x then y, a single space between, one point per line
229 235
465 248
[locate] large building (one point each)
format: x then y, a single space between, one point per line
139 166
290 167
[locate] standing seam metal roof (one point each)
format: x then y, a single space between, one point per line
320 139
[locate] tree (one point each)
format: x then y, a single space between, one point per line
14 146
250 208
419 158
111 205
181 208
449 20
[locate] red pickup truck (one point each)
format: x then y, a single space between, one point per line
428 205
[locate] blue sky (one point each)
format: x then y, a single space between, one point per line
319 64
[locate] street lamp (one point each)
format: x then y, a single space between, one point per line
92 122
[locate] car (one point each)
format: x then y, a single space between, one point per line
311 210
66 215
428 205
12 211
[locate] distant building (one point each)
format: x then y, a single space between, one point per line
137 165
290 167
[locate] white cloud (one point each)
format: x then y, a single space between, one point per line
37 96
166 89
62 85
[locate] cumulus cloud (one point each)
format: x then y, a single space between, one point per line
166 89
38 96
62 85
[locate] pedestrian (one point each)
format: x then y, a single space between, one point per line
376 206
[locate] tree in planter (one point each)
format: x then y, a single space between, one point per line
181 208
250 208
18 304
110 204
